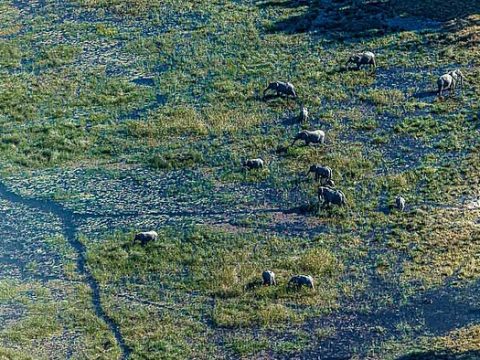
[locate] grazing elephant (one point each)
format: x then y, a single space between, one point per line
445 82
321 172
400 203
281 88
301 280
449 81
315 137
331 196
366 58
268 278
146 237
254 164
458 77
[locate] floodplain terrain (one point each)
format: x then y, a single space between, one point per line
122 116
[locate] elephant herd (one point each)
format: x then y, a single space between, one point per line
323 174
326 192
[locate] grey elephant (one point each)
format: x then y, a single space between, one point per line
400 203
268 278
303 116
365 58
314 137
321 172
329 183
254 164
301 280
331 196
449 81
281 88
146 237
458 77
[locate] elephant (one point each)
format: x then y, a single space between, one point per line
315 137
303 116
331 196
321 172
146 237
365 58
301 280
254 164
458 77
400 203
329 183
280 88
449 81
268 278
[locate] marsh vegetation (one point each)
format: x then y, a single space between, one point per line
125 116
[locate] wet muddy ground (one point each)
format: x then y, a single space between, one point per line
387 133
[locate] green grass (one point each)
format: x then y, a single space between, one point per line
45 315
68 101
204 266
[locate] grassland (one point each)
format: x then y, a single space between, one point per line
137 115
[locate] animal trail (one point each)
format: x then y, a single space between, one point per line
67 218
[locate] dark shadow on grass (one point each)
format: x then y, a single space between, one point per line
439 10
424 94
338 16
292 4
435 312
137 114
290 120
442 355
143 81
270 97
281 150
305 209
360 18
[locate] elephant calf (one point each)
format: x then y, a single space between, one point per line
254 164
315 137
449 81
331 196
281 88
146 236
268 278
400 203
321 172
329 183
365 58
301 280
303 117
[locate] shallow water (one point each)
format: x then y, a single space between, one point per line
66 221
